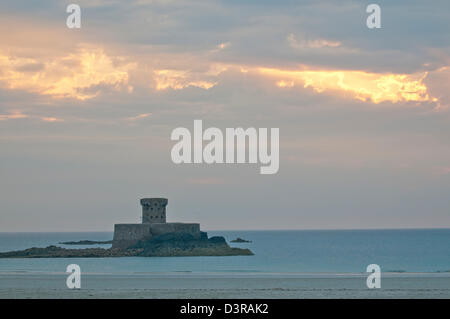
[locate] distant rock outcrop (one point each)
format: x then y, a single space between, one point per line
86 242
240 240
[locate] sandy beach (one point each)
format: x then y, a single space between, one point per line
185 285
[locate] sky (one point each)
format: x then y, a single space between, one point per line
86 114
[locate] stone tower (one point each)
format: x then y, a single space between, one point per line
153 210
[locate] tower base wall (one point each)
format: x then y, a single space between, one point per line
126 235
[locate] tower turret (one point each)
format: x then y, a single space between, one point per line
153 210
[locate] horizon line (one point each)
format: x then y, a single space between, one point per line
249 230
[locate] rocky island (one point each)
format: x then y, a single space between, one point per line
154 237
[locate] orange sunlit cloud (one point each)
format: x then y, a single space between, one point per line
178 80
83 74
19 115
139 117
360 85
13 116
51 119
73 76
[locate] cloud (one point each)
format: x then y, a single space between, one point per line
439 84
315 44
224 45
85 74
178 80
13 116
202 43
51 119
19 115
138 117
77 75
360 85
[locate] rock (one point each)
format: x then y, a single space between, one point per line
56 252
176 244
86 242
240 240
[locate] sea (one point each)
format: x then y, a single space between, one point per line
276 252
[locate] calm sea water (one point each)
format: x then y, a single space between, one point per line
275 252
